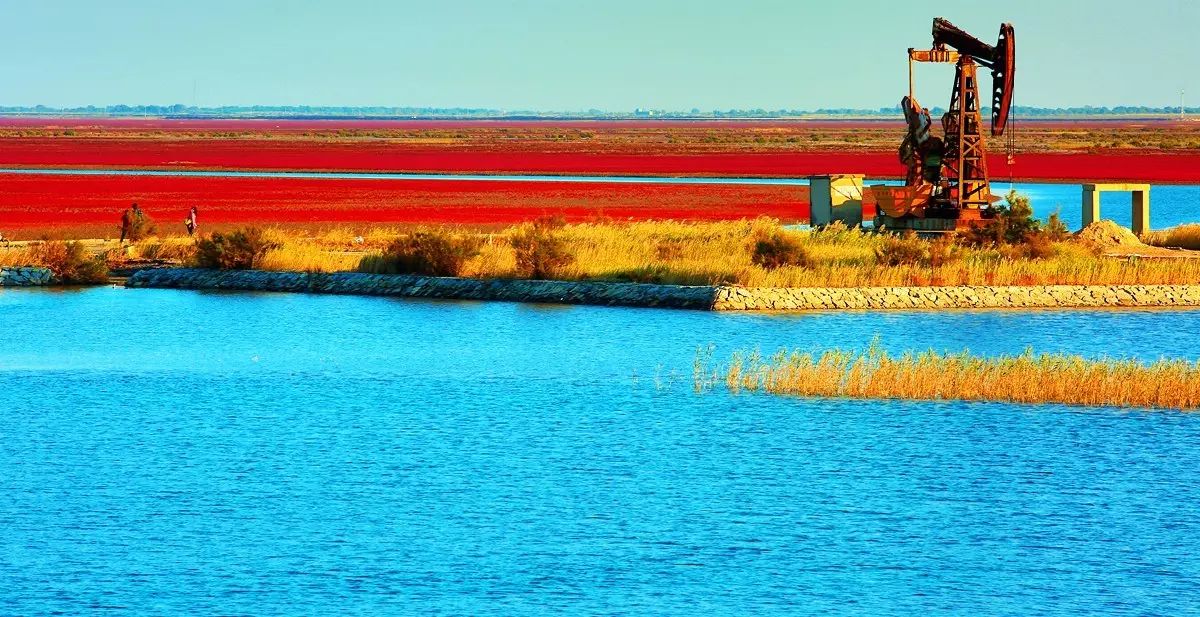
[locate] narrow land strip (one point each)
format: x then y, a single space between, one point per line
703 297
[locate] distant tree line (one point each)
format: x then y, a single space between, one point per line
311 111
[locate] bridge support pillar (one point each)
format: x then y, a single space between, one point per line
1141 204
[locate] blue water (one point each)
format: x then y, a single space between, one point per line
1171 205
174 452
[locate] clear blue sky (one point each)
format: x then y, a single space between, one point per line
575 55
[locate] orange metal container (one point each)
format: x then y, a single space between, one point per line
898 201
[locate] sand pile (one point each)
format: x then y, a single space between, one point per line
1107 234
1115 241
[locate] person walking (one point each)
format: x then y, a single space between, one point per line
190 222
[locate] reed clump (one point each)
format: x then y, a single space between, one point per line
905 250
336 249
930 375
428 252
18 255
242 249
775 248
70 262
302 257
538 252
1182 237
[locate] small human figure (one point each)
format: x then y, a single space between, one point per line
190 222
127 222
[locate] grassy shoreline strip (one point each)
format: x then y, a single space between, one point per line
756 253
930 375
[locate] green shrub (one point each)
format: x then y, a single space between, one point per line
1013 221
1056 230
242 249
776 249
430 253
1018 216
539 253
70 263
1015 226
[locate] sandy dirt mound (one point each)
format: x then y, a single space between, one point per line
1113 239
1106 234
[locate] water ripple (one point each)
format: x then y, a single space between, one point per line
388 456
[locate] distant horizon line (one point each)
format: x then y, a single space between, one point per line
434 113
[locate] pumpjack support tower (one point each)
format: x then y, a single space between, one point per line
946 187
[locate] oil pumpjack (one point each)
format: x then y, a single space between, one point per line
946 187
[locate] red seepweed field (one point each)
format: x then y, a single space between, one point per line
1072 151
90 200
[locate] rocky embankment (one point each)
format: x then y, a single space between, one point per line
719 298
409 286
25 277
1049 296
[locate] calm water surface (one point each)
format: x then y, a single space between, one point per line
173 452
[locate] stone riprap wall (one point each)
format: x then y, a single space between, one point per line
1050 296
25 277
720 298
561 292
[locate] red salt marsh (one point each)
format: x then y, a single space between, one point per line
72 200
755 148
354 156
381 155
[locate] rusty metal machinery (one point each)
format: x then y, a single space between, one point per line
946 187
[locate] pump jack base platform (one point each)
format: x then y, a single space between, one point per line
934 223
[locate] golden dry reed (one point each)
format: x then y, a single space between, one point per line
1024 378
1183 237
18 256
708 253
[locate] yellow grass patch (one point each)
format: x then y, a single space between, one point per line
699 253
171 248
1025 378
307 258
21 255
1183 236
